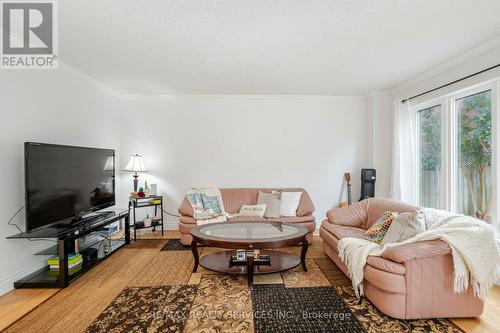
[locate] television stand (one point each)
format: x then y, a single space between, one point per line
89 232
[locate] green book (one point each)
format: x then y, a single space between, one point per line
71 259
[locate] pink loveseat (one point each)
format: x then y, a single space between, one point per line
234 198
412 281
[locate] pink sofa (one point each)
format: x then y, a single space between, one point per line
234 198
413 281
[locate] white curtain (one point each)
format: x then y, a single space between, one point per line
404 154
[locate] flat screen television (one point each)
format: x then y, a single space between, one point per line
64 182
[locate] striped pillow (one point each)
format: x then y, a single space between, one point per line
378 230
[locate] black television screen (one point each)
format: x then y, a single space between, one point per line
65 182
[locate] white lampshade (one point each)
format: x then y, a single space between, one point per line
110 164
135 164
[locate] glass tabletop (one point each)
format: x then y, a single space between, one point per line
249 230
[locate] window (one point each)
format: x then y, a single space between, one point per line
473 190
455 160
429 121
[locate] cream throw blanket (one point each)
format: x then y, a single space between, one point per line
472 242
207 205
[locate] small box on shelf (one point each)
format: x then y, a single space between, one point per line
241 256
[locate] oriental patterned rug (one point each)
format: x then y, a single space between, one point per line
166 297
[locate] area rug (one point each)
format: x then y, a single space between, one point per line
175 245
148 309
165 296
301 310
223 304
297 278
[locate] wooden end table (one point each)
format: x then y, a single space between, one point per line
263 236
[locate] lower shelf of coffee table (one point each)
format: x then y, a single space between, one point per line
219 262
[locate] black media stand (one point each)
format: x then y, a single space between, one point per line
89 234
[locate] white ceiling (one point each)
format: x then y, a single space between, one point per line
330 47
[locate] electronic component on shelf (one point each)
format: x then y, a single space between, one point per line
241 257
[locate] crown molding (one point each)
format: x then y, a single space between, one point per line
483 48
103 87
236 97
377 93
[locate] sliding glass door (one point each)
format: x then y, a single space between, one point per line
473 189
429 123
458 168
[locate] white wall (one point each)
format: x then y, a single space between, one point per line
246 142
379 115
60 106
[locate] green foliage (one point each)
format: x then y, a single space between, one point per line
430 138
474 122
475 130
474 147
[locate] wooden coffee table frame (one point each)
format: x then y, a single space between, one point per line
219 261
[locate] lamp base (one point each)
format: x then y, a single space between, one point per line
136 182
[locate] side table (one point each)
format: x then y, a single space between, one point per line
155 201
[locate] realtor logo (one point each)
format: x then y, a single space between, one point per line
29 34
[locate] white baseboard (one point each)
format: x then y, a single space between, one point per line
7 284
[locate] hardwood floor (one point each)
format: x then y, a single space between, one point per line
489 322
79 304
19 302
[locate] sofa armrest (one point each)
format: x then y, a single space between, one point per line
418 250
354 215
306 206
186 209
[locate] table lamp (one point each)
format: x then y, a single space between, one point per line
135 164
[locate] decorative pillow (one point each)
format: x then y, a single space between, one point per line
272 200
253 210
289 203
405 226
378 230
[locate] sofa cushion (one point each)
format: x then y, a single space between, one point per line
289 203
377 206
385 265
272 201
234 198
296 219
185 228
247 219
331 239
187 219
340 231
353 216
394 283
424 249
187 223
405 226
253 210
185 209
378 230
306 206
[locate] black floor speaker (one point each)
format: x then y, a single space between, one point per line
368 177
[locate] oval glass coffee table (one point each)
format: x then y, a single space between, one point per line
248 237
